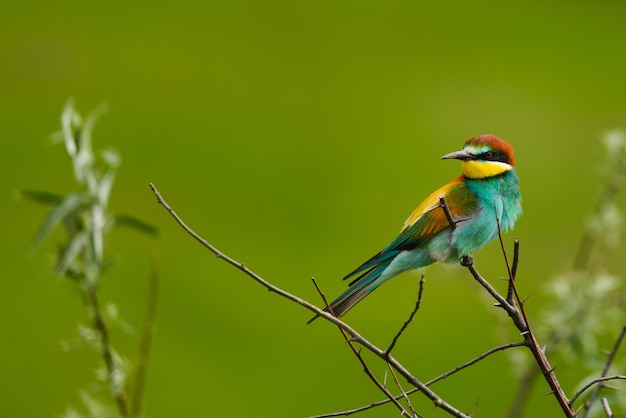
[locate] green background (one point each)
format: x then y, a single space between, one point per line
297 137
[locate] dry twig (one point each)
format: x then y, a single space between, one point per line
519 317
605 371
595 382
357 353
411 316
606 407
355 336
429 383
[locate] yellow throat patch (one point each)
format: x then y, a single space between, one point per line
482 169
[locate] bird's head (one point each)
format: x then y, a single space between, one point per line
484 156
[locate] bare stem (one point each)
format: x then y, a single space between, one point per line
605 371
411 316
356 337
475 360
513 272
404 395
607 408
357 354
524 327
446 211
595 382
430 382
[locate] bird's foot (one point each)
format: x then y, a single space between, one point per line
467 260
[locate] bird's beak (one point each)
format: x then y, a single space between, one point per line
458 155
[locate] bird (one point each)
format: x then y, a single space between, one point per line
453 222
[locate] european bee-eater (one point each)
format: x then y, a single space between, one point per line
484 195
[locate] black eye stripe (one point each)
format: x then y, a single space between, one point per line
493 156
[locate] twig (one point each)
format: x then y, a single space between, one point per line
595 382
357 354
146 339
476 360
520 320
405 396
408 321
581 262
430 382
356 337
542 360
511 310
504 254
606 407
446 211
509 294
605 371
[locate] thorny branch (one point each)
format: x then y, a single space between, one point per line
429 383
590 244
517 315
605 371
357 354
408 321
519 318
405 396
356 337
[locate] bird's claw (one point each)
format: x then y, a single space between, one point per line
467 260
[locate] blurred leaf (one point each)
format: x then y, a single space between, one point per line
138 224
87 127
67 206
69 118
111 158
71 253
104 187
42 197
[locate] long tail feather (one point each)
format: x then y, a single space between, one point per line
358 289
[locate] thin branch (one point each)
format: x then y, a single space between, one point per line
408 321
509 294
429 383
405 396
357 354
517 318
146 339
515 258
446 211
476 360
605 371
607 408
520 320
504 254
582 261
356 337
595 382
542 360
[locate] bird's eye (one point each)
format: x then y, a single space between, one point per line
488 155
